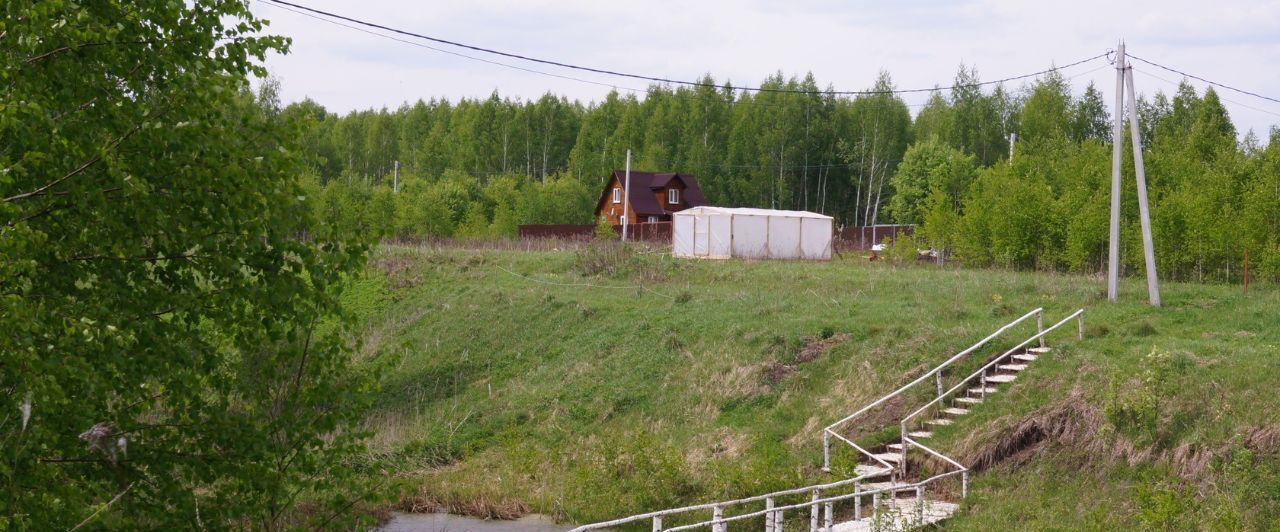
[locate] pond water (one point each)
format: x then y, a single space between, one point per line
442 522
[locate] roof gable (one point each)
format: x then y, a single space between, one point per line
647 204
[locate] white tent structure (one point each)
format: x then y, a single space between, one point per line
722 233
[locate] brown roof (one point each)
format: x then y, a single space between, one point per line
647 204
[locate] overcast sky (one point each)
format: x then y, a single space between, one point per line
844 44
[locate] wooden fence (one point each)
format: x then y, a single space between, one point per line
648 232
862 238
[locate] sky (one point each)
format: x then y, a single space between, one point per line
844 44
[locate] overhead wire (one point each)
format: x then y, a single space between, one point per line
1175 84
698 97
442 50
535 71
1195 77
662 79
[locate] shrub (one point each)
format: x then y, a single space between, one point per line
604 230
602 257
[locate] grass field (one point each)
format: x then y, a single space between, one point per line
594 382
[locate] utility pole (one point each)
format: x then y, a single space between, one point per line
626 198
1117 145
1124 79
1144 212
395 177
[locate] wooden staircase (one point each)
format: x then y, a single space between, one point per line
895 512
885 492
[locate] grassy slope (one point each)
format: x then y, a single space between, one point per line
514 385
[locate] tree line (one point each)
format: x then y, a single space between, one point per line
480 167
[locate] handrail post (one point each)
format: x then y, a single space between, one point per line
964 484
983 383
826 450
902 436
813 513
875 505
938 379
717 514
768 514
657 523
920 504
831 517
857 501
1080 325
1040 327
777 520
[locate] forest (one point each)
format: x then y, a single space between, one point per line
479 167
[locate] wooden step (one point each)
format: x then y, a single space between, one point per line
879 486
892 458
968 400
979 390
1025 357
900 514
939 421
895 446
1001 379
953 411
894 490
1012 367
920 434
1039 350
871 471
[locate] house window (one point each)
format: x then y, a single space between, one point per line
673 196
617 195
653 219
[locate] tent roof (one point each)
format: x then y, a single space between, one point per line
747 211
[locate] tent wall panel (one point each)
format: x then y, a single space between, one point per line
682 236
701 227
721 234
815 238
750 236
784 237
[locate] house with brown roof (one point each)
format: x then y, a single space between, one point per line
654 197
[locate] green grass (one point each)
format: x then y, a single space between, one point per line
517 382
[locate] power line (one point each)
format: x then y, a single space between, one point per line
530 70
659 79
753 103
450 52
1192 76
1175 84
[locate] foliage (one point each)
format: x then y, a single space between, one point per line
903 251
453 205
928 166
602 257
166 327
604 230
1135 408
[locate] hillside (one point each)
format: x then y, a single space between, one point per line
595 382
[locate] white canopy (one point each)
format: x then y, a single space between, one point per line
721 233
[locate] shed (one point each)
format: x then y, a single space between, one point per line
722 233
